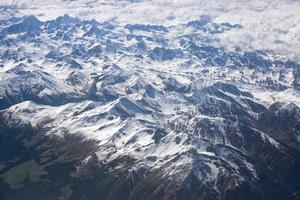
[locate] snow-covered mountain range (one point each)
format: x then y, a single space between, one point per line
94 110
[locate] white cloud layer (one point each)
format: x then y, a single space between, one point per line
267 24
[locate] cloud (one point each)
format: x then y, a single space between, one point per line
267 24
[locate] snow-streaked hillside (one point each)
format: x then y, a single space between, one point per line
164 110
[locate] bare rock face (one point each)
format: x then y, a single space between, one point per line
282 122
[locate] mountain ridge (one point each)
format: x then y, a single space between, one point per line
147 113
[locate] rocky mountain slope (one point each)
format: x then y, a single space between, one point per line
95 110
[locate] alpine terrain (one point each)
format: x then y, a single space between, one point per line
117 108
